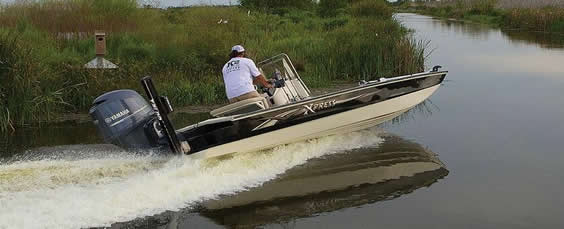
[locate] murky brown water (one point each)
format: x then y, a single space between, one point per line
496 124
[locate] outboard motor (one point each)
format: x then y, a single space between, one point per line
125 119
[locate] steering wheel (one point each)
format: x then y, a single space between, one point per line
268 91
277 81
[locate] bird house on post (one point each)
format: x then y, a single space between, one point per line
100 45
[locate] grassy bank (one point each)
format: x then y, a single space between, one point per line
44 45
540 15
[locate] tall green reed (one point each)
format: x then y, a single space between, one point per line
541 15
30 90
536 19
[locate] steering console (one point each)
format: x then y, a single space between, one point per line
277 83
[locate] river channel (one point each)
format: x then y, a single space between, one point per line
485 151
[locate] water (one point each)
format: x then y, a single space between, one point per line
498 129
96 191
496 125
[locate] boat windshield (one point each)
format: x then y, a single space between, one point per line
280 67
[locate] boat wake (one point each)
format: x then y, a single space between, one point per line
69 192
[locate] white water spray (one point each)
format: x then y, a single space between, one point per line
98 192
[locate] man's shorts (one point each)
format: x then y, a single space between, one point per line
242 97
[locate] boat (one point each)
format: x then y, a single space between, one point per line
285 114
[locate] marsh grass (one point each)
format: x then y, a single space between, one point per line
538 15
536 19
509 4
503 4
73 16
44 46
373 9
29 90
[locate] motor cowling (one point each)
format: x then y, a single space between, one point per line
124 118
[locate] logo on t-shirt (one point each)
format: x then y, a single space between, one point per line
232 66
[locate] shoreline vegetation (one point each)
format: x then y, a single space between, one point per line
525 15
44 46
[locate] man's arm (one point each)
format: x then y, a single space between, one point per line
260 79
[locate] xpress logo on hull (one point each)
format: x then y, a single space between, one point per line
312 108
117 116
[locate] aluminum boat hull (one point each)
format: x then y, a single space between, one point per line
283 115
353 109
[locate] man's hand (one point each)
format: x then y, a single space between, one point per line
262 81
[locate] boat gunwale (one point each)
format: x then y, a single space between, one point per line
369 84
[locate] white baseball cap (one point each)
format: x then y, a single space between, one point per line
238 48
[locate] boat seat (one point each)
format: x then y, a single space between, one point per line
241 107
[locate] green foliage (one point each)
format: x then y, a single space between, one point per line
277 4
548 19
131 47
486 7
74 16
331 8
335 23
371 8
557 26
207 91
43 47
484 19
300 16
544 19
114 7
30 88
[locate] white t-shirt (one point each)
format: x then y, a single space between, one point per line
238 74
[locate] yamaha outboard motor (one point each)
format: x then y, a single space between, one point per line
125 119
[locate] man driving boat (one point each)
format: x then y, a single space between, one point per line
239 74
